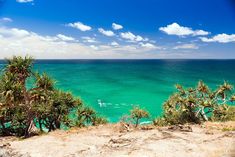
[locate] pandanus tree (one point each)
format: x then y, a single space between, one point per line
41 97
42 105
14 94
20 67
195 105
88 116
87 113
137 114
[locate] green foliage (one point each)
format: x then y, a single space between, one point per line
44 82
137 114
160 121
43 105
224 113
99 120
15 100
228 129
199 104
88 116
20 68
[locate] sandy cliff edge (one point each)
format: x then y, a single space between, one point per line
207 140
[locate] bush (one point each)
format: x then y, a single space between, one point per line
43 105
224 113
88 116
137 114
199 104
160 122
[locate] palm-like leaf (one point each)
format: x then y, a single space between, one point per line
44 82
20 67
202 87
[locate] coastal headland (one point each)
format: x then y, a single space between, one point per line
210 139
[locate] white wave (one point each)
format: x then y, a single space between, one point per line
146 122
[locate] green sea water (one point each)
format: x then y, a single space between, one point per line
112 87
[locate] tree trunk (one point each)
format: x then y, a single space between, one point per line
57 124
137 122
204 115
28 128
40 124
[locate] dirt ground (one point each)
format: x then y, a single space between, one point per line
112 140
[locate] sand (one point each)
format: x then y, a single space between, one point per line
112 140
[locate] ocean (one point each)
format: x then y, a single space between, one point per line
112 87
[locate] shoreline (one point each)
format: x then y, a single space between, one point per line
211 139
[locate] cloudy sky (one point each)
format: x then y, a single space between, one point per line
123 29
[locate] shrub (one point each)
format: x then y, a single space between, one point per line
43 105
137 114
160 121
224 113
199 104
88 116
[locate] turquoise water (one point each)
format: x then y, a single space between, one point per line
119 84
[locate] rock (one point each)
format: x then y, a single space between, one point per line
208 132
120 142
4 145
185 128
229 134
147 127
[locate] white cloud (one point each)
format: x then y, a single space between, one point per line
200 33
94 47
65 38
89 39
128 35
117 26
133 38
6 19
24 1
20 33
139 38
186 46
176 29
114 43
80 26
149 46
106 32
14 32
221 38
15 41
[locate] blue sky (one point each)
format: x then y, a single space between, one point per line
118 28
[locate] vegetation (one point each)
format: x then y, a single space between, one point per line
47 108
137 114
228 129
88 116
224 113
199 104
43 106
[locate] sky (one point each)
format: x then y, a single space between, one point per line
118 29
